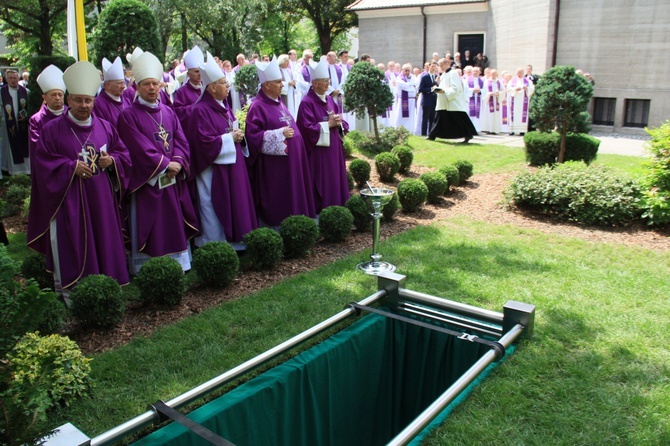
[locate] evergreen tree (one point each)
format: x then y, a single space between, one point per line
365 90
559 102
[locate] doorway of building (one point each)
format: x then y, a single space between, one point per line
472 42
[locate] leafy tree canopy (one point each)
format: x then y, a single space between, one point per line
365 90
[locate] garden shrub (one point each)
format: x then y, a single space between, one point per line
655 201
24 307
593 195
216 264
47 372
391 208
436 184
394 136
405 155
360 170
97 301
161 281
35 267
465 170
335 223
387 165
412 194
370 146
19 180
264 248
26 208
451 174
299 234
361 212
15 196
355 136
350 181
348 147
542 148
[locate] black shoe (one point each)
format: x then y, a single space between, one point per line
430 139
467 139
521 134
511 133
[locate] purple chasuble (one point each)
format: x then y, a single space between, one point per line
129 96
326 164
231 191
86 210
282 185
184 98
166 219
107 108
305 74
17 122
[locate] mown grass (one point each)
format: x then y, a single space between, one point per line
597 370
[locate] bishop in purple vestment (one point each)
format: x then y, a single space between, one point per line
162 215
190 91
81 169
279 169
225 201
322 127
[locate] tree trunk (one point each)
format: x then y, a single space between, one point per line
184 35
46 46
561 151
374 122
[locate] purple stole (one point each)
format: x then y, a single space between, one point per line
504 108
404 99
494 105
524 114
305 74
476 99
17 131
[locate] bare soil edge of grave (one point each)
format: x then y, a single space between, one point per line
479 200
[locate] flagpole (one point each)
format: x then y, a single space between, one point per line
81 30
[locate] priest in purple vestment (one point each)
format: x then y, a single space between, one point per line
81 172
162 216
51 83
190 91
14 147
278 164
131 87
110 102
225 201
323 128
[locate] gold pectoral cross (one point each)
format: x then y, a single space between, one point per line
164 136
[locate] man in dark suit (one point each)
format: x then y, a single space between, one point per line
429 98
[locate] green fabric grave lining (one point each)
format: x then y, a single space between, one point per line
361 386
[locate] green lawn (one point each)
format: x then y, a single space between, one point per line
597 370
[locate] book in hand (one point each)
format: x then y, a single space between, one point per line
436 89
165 181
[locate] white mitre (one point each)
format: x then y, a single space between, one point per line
318 70
147 66
210 71
194 58
112 71
268 71
130 57
51 78
82 78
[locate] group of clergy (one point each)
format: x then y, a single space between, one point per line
118 178
494 103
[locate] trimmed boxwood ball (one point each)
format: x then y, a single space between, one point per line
450 172
299 234
412 194
216 263
360 170
97 301
335 223
387 165
264 248
436 184
465 170
405 155
35 267
350 181
161 281
391 208
361 213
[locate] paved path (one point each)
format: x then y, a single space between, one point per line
617 144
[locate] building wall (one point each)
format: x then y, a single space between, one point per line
622 43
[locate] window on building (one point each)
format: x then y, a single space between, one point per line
603 111
637 113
